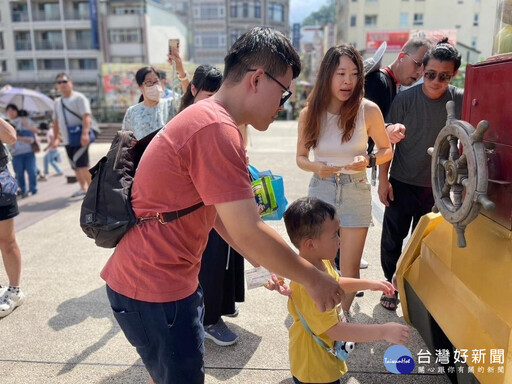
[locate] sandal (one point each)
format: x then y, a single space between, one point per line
390 303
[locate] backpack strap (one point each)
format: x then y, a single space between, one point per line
167 217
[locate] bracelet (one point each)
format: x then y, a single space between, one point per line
184 77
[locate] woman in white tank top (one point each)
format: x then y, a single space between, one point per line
335 126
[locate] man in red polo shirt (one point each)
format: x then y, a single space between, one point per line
152 277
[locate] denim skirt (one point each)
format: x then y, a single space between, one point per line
349 194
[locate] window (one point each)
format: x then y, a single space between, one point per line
210 40
257 9
245 10
370 20
125 36
209 11
275 12
475 20
233 11
473 42
3 65
19 12
49 40
418 19
1 41
84 64
51 64
404 19
22 41
25 65
234 35
353 20
128 9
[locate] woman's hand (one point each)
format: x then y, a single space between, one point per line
325 170
359 164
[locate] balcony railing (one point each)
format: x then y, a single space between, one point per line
23 46
82 44
76 15
46 16
18 17
49 45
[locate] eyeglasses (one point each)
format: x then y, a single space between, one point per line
442 77
149 83
417 63
62 82
286 94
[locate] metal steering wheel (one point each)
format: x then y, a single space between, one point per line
459 181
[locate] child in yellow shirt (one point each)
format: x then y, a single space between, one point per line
313 227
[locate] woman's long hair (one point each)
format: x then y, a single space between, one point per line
321 95
206 78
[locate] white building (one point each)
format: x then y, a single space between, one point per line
469 22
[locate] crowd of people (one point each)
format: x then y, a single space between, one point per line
190 273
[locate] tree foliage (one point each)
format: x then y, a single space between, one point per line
325 15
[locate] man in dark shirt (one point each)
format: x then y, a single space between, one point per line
407 194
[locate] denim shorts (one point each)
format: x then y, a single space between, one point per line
349 194
169 337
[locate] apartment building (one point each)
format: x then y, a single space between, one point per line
469 23
40 38
216 24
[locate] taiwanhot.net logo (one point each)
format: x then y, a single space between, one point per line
398 359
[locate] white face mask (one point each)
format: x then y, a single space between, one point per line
155 92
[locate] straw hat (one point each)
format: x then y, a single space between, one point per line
373 63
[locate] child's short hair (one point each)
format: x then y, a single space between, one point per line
304 218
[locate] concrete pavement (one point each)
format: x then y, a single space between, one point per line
65 331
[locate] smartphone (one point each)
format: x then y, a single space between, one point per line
174 45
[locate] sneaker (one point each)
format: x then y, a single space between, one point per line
10 301
78 193
220 334
364 264
2 290
235 313
42 178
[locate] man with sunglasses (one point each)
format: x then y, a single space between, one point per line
72 109
199 157
382 84
407 194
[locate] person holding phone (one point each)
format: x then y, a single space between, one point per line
335 126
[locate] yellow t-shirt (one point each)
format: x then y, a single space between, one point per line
309 362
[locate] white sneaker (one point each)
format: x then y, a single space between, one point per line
2 290
364 264
10 301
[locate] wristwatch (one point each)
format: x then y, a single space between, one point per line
372 160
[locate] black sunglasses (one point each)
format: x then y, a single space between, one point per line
62 82
286 94
442 77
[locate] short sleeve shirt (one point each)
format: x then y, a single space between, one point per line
198 156
142 120
423 119
309 362
77 103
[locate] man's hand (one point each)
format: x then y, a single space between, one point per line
84 139
396 132
326 291
385 191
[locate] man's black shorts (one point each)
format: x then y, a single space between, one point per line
78 156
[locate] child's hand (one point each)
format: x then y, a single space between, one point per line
396 333
278 284
384 286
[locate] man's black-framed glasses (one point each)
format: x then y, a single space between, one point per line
417 63
286 94
441 77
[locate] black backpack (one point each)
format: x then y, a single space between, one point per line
107 213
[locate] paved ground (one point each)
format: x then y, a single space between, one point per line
65 331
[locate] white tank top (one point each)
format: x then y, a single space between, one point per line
331 150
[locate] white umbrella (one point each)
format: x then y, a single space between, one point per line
27 99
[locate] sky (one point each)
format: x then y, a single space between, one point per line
299 9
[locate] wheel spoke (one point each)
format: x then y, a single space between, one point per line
462 162
454 149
